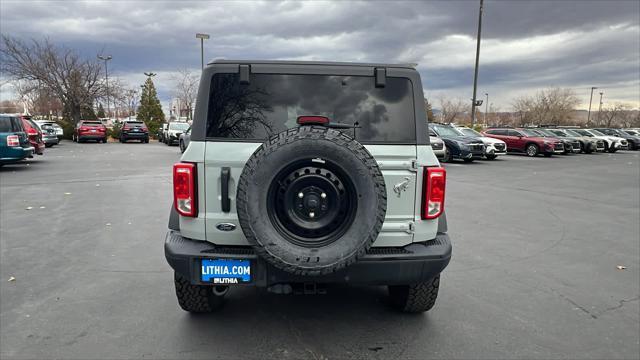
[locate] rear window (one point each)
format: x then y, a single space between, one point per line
178 126
497 132
91 123
9 124
135 123
271 103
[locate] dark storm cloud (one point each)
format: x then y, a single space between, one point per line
526 44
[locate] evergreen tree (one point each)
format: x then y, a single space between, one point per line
150 109
87 112
101 113
427 107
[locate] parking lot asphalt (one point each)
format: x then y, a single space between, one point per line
537 243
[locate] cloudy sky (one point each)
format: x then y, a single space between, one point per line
526 45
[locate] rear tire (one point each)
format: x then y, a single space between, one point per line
532 150
468 161
491 156
415 298
548 155
104 141
196 298
181 145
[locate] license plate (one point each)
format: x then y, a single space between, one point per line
94 130
225 271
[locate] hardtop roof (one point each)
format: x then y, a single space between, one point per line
313 63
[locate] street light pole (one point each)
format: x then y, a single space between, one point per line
590 99
486 108
202 38
106 73
475 76
600 107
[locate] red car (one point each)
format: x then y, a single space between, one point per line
34 133
526 141
90 130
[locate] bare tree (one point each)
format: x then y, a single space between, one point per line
548 106
8 106
132 97
451 109
77 82
185 90
618 114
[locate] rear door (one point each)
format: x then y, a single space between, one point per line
270 103
516 140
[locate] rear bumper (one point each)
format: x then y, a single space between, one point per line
51 140
15 154
411 264
38 147
135 135
92 137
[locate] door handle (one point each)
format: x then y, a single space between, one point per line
225 174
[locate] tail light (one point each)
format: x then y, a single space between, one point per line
13 140
126 128
83 128
32 131
184 189
433 190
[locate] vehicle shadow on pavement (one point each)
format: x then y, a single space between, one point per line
21 166
356 320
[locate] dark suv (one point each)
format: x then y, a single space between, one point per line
459 145
134 130
302 174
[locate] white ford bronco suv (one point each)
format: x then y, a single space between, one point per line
303 174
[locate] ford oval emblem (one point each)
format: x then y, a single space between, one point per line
226 227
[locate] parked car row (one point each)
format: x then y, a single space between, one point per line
14 142
468 145
170 132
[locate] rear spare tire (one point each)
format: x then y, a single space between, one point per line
311 200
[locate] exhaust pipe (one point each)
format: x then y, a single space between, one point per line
220 290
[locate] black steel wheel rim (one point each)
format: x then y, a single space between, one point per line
312 202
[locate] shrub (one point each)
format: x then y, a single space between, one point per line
114 132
